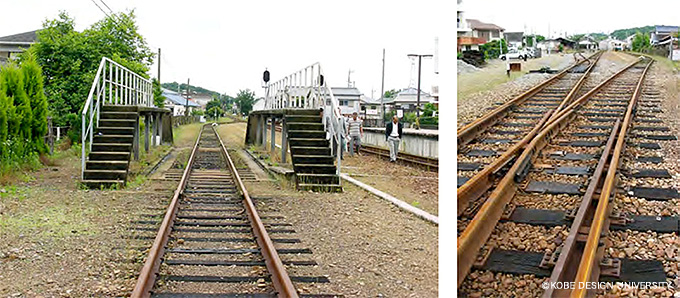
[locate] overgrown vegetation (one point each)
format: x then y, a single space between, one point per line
492 49
622 34
23 114
641 43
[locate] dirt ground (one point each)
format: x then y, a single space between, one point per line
62 241
480 89
393 256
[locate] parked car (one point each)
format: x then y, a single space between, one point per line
514 54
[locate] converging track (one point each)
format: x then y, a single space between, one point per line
213 243
558 213
431 164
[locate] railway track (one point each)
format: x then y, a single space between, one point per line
492 142
213 242
431 164
559 214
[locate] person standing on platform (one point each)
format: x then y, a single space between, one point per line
355 131
393 132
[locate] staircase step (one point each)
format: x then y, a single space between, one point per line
313 112
105 174
304 118
118 115
314 169
95 184
304 126
116 130
114 108
320 187
313 134
120 139
309 150
102 155
317 142
117 123
106 165
315 159
111 147
303 178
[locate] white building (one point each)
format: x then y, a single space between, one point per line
349 99
177 103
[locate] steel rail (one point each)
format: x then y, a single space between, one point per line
147 276
470 131
280 279
591 252
427 162
483 180
480 228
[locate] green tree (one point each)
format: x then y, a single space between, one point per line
391 93
33 84
70 59
215 112
158 98
640 42
245 99
20 115
491 49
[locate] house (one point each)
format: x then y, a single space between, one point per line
553 45
461 26
487 31
370 107
349 99
407 99
662 33
12 45
177 103
514 39
587 43
629 41
611 44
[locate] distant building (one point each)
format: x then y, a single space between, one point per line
587 43
13 45
349 99
629 41
662 33
177 103
201 98
514 39
407 99
553 45
611 44
475 33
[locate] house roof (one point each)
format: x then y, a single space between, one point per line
365 100
177 99
666 29
479 25
513 36
345 91
27 38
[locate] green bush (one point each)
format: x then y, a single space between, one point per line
491 49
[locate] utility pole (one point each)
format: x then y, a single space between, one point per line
159 66
420 57
382 88
186 107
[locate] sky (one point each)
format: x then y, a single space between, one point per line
225 47
572 17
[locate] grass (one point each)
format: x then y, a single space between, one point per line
185 135
139 180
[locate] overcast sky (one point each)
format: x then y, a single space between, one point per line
572 17
225 46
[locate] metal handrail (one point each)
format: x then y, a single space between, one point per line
125 88
304 89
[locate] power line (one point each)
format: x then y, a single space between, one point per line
109 8
95 3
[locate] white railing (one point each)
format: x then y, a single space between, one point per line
308 89
114 84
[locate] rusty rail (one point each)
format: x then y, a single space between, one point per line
483 180
480 228
593 252
282 283
421 161
147 276
470 131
